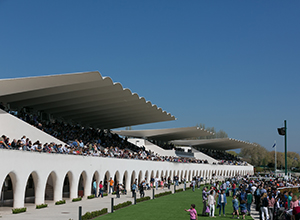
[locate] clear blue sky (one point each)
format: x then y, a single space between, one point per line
232 65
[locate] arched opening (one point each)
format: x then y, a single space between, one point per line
7 193
147 176
50 186
95 178
133 178
157 174
162 175
81 184
30 190
66 186
105 181
116 180
140 177
125 176
152 175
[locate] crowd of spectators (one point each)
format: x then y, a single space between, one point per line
89 141
274 198
224 158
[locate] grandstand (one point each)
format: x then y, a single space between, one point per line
56 139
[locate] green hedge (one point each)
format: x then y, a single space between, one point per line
188 188
16 211
162 194
41 206
60 202
143 199
76 199
114 193
122 205
91 197
105 194
94 214
178 190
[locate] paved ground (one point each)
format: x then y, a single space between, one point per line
70 209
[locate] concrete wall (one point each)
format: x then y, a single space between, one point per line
19 165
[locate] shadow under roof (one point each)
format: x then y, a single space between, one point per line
214 144
86 98
167 134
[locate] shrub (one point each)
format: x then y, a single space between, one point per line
16 211
41 206
105 194
94 214
188 188
178 190
143 199
122 205
163 194
114 193
60 202
91 197
76 199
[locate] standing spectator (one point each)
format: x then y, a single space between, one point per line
249 201
271 204
290 199
234 189
100 189
222 201
141 188
243 208
204 200
294 202
169 182
118 190
156 182
211 203
235 205
95 188
264 207
111 185
133 188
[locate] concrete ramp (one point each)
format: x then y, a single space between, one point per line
15 128
150 146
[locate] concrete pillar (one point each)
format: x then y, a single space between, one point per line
58 187
19 186
88 184
128 180
74 181
40 186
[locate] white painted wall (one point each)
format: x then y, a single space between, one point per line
20 164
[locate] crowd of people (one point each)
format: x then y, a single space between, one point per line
224 158
272 200
89 141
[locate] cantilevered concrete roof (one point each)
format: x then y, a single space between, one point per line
214 144
166 134
86 98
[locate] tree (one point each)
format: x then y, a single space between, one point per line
232 152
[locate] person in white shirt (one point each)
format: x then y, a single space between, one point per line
156 182
211 203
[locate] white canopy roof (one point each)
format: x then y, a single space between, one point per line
166 134
214 144
86 98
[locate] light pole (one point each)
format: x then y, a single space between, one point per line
283 131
